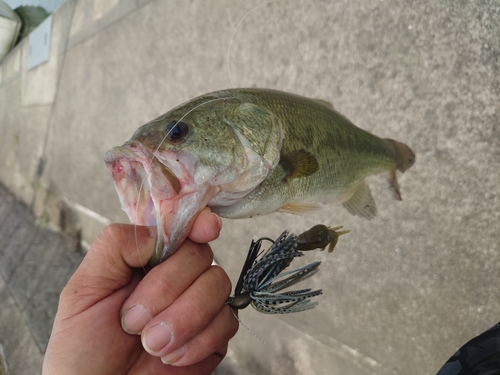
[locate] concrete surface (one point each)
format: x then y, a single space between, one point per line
401 292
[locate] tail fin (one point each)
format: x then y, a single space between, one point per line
404 158
403 155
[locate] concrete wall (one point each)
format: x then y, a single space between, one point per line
401 292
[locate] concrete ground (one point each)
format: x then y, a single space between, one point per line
35 264
401 292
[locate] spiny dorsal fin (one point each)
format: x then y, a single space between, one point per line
298 163
327 103
361 203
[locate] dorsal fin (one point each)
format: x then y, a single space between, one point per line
327 103
361 203
298 163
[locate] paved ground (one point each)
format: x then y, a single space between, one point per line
35 264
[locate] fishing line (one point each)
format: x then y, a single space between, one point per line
182 118
154 156
248 329
135 221
198 106
232 37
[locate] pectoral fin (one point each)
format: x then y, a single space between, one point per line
393 180
298 163
361 203
404 158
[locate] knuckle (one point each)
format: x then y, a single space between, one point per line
222 279
201 252
112 234
113 230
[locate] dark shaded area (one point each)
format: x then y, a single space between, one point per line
31 17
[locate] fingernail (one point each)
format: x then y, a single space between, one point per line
153 232
219 219
134 319
156 338
173 357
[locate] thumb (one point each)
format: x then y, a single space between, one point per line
109 265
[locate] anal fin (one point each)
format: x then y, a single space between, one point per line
361 203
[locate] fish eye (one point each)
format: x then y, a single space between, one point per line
176 131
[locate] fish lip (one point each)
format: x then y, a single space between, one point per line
144 184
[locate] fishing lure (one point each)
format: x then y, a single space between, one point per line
261 281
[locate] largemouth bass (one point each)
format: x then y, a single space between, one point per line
247 152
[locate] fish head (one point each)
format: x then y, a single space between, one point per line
197 153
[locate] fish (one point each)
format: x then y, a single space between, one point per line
247 152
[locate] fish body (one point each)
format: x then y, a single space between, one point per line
248 152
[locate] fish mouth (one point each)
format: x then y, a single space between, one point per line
148 190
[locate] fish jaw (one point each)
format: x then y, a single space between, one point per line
157 190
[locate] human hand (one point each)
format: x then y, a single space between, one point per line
178 307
